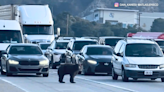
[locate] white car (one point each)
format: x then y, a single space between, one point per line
137 58
55 51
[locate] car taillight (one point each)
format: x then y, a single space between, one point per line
161 36
130 34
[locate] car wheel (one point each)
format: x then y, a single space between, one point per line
38 73
2 72
114 75
7 71
45 75
124 77
162 79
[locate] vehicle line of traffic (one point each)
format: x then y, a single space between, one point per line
114 86
14 84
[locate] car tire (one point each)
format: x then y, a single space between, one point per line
124 77
162 79
114 75
45 75
2 72
7 72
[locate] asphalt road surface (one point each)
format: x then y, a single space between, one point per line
94 83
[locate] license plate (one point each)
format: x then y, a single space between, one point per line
148 73
106 64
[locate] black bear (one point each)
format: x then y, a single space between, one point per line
71 69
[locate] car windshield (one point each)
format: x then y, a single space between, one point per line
36 29
25 50
160 43
61 45
44 46
10 36
99 51
143 50
112 42
78 45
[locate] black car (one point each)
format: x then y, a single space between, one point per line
74 47
96 59
24 58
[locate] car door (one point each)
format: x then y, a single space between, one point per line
4 58
120 59
68 53
115 57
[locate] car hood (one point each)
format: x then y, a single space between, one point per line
27 57
146 60
44 51
100 58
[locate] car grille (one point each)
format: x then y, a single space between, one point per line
27 70
29 62
148 66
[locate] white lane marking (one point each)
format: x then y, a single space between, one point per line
14 85
114 86
126 89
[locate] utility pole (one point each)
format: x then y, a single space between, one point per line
139 19
67 23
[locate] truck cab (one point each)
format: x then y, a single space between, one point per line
10 32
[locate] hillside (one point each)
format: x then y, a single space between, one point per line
83 7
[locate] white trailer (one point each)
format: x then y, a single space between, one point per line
35 20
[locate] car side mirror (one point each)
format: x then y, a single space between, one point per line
69 48
119 54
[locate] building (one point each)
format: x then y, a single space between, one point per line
114 16
147 18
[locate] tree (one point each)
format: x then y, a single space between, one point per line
158 25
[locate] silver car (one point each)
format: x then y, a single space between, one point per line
24 58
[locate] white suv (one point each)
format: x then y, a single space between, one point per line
137 58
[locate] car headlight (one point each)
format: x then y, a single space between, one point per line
13 62
161 66
130 65
44 62
92 61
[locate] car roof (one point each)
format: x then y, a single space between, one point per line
44 43
111 37
23 44
62 40
130 41
83 39
98 46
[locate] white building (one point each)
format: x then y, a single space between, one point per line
147 18
125 16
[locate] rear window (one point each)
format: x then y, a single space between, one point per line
112 42
78 45
99 51
61 45
44 46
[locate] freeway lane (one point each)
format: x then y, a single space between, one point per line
98 83
33 83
